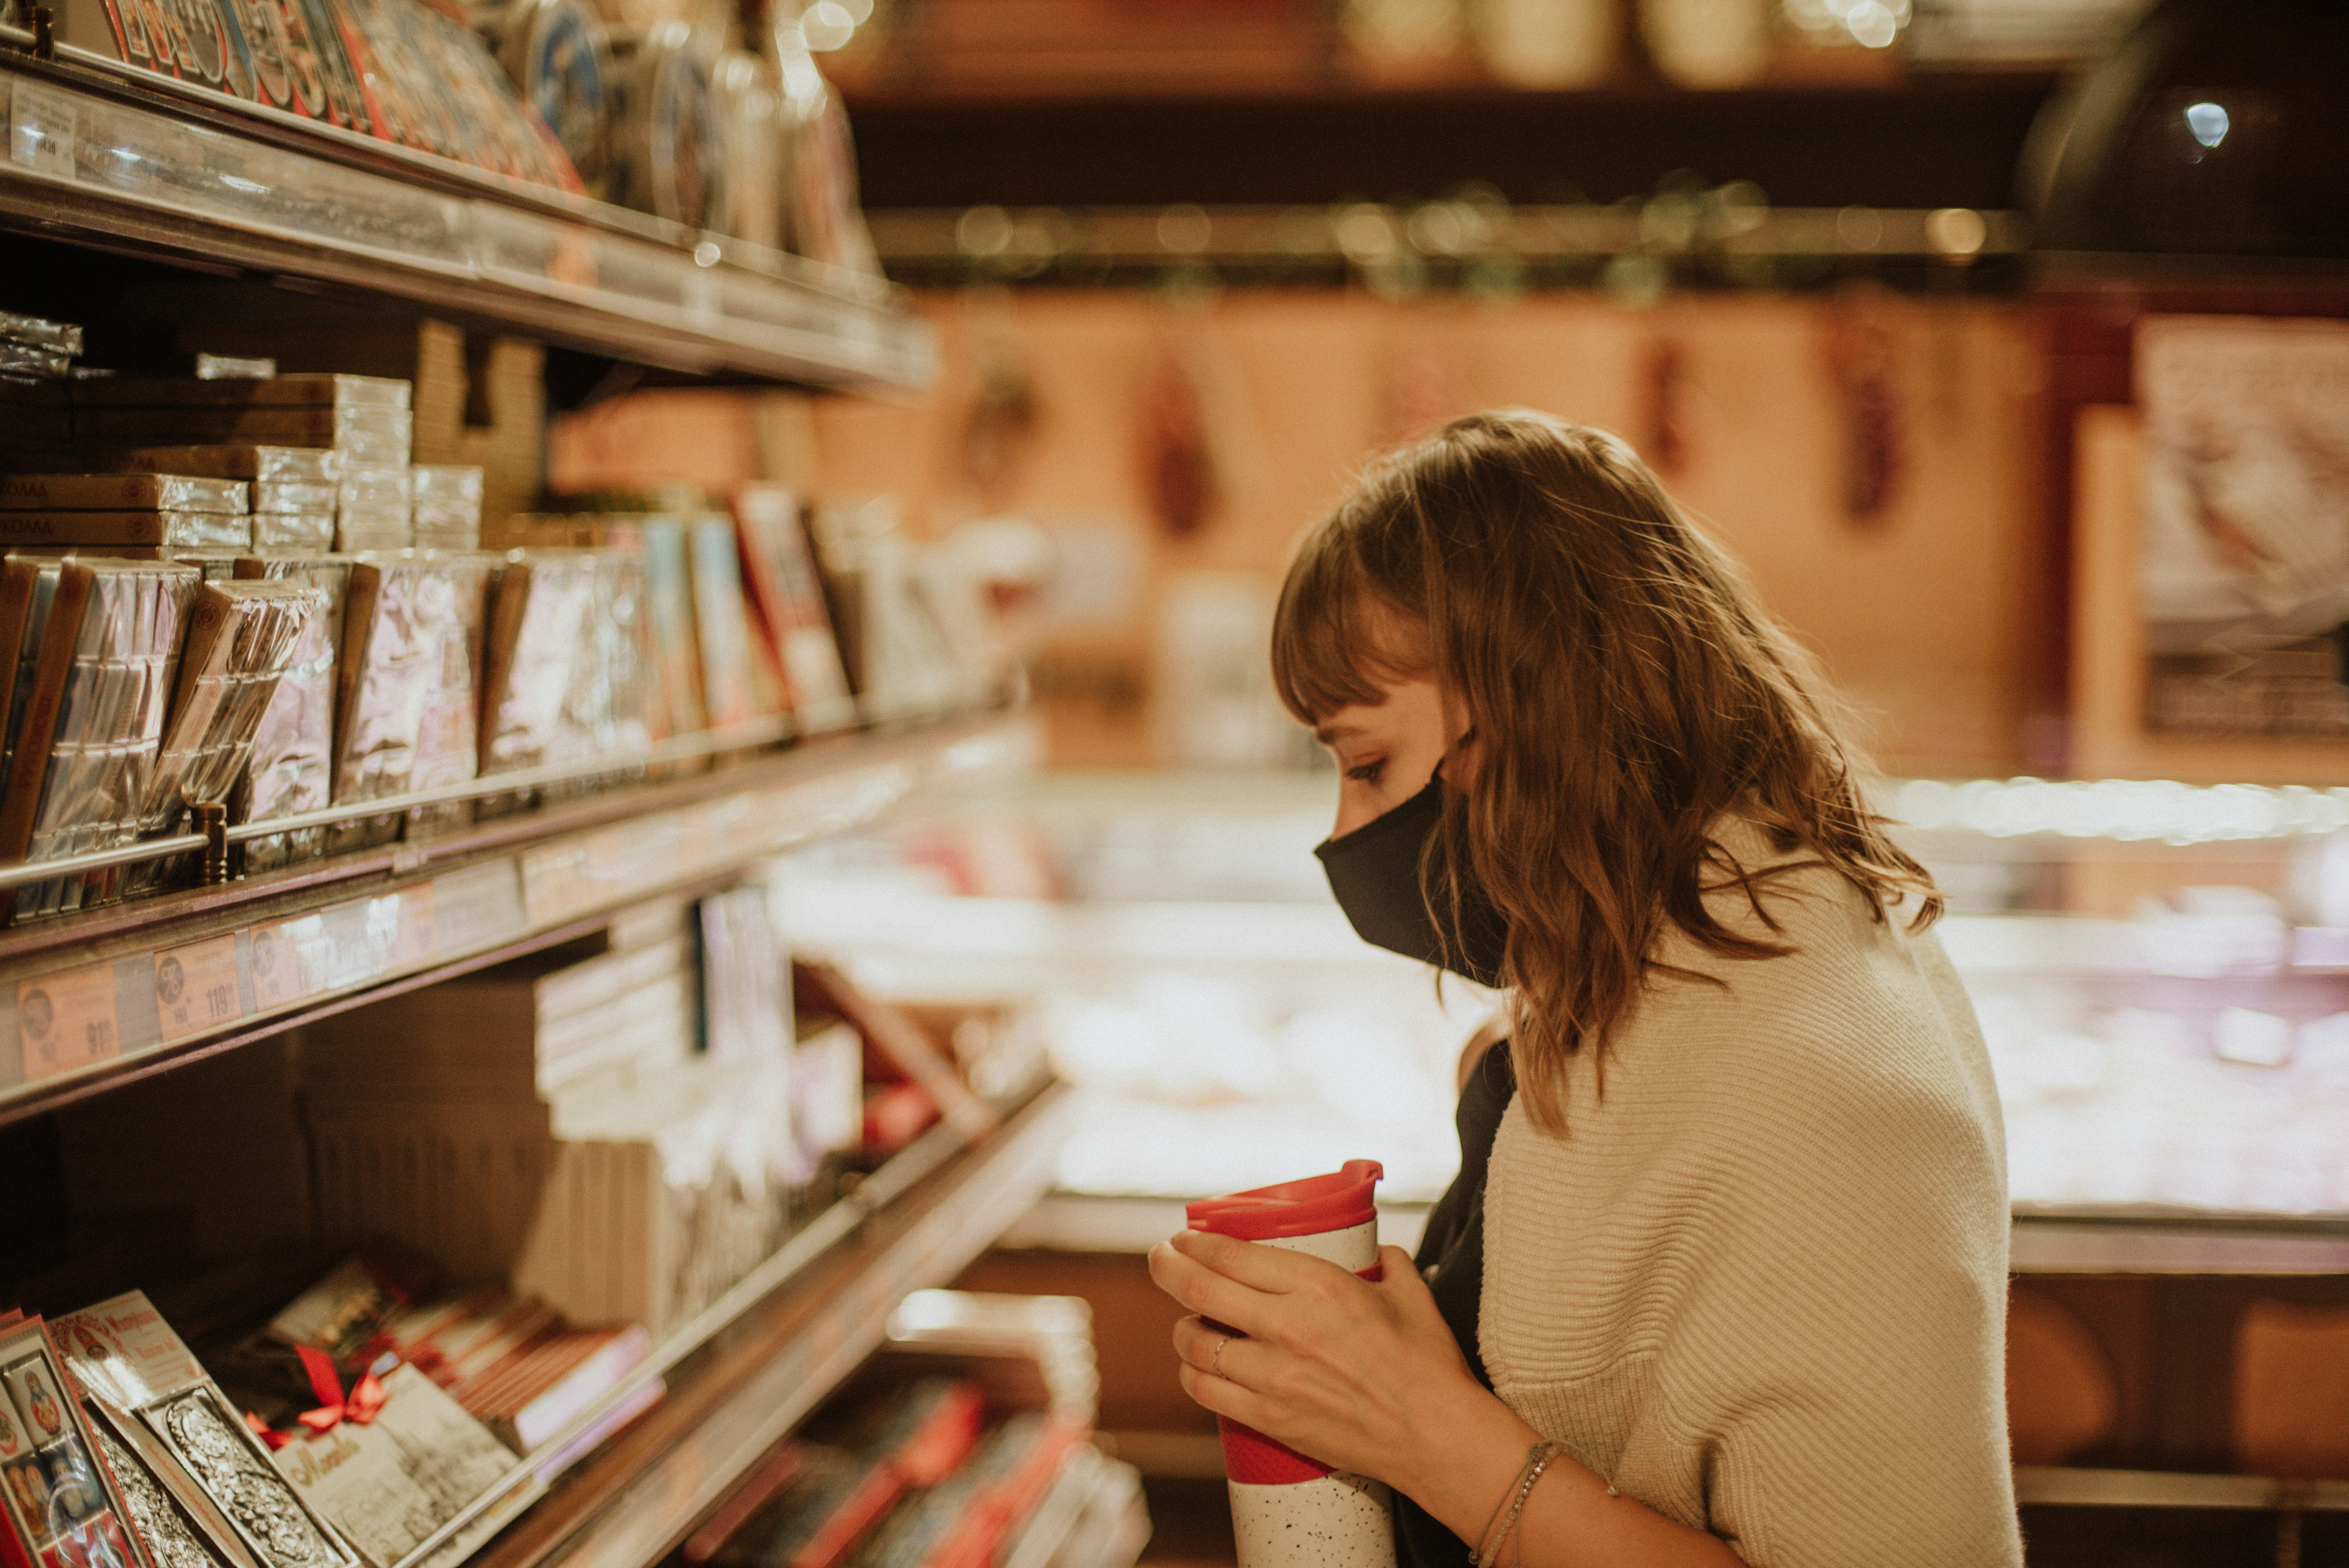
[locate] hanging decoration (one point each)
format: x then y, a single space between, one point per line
1664 384
1863 366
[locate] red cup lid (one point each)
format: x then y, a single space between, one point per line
1337 1202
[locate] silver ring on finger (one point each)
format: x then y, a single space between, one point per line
1215 1362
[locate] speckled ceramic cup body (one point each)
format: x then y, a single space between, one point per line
1289 1511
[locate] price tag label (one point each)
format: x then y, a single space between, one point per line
66 1020
195 987
41 129
416 938
283 962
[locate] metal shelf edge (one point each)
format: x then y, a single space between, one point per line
111 166
76 1018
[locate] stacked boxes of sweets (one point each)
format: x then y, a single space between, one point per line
448 506
638 1171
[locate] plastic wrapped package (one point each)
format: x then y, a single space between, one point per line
733 691
27 585
291 767
658 543
607 710
320 465
241 637
294 496
33 331
122 492
293 530
537 639
448 507
183 530
409 707
779 568
93 720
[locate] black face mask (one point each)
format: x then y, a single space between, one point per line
1375 872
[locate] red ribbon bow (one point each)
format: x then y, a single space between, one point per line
365 1401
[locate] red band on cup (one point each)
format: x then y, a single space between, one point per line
1255 1460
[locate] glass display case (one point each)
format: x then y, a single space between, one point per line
2161 973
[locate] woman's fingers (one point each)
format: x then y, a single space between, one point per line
1207 1292
1225 1398
1206 1347
1254 1264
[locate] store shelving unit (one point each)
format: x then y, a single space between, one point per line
97 998
102 157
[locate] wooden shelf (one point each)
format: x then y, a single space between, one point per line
741 1392
128 161
93 1000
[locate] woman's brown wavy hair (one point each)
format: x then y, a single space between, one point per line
1626 689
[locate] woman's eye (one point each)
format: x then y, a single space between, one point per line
1368 773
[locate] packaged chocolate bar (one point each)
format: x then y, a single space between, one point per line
731 691
275 391
281 531
60 1503
374 486
93 720
188 530
408 714
121 492
372 538
787 595
607 710
17 359
234 368
56 336
320 465
242 637
28 584
537 637
169 1522
668 619
294 495
291 767
127 1359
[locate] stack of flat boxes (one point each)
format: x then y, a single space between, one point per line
480 402
552 1125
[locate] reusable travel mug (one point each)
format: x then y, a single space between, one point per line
1289 1511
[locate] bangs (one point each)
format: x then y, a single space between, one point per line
1331 635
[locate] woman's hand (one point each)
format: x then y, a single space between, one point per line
1363 1375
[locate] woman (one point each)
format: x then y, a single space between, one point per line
1724 1275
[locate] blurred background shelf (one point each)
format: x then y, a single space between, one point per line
102 159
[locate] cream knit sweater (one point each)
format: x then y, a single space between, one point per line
1761 1285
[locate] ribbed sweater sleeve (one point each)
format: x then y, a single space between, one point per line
1760 1284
